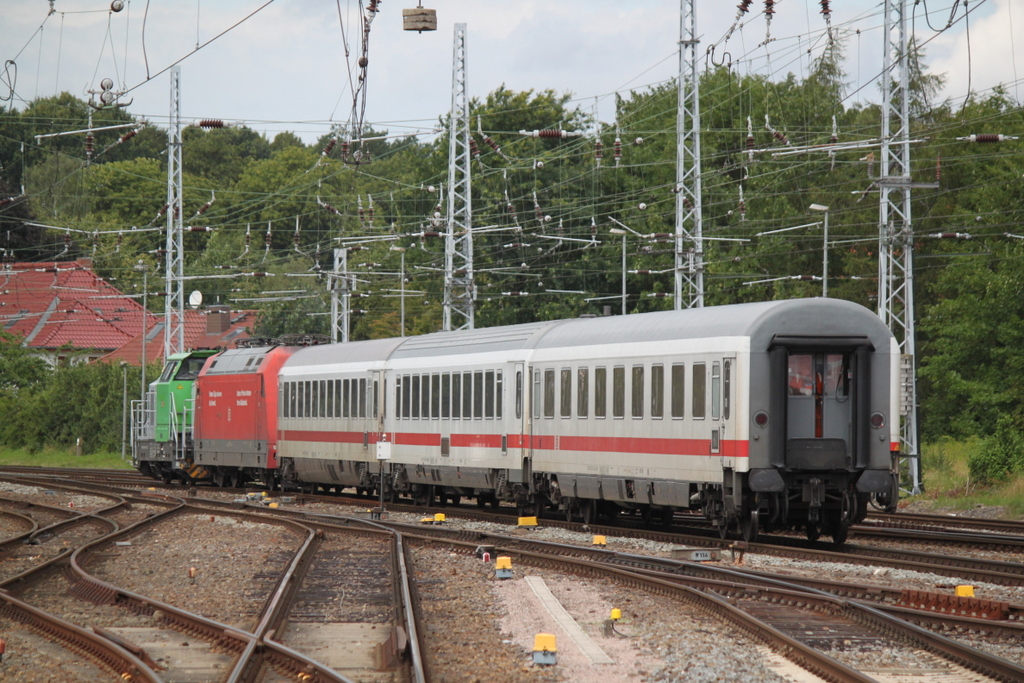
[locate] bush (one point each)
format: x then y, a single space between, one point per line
1000 456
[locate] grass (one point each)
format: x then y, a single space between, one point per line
948 484
62 457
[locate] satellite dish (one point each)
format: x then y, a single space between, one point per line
195 299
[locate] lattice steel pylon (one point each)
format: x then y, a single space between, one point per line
689 237
459 287
341 287
895 236
174 304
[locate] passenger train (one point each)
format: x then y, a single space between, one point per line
781 414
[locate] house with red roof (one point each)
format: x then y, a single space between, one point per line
67 313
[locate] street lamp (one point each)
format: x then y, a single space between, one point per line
141 267
824 250
124 407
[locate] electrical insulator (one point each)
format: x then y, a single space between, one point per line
743 210
162 210
473 148
744 6
345 149
117 245
198 228
211 123
750 142
90 143
369 210
67 240
638 141
938 168
550 133
431 233
780 137
206 207
329 147
536 209
687 203
515 294
987 137
642 206
128 136
835 130
617 147
538 164
769 8
598 151
327 206
359 210
951 236
659 295
267 238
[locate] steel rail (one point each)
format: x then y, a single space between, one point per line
96 647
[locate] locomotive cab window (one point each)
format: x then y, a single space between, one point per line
168 371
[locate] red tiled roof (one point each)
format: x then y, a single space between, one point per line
196 336
65 303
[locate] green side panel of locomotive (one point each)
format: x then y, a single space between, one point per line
173 393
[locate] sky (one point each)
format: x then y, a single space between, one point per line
285 67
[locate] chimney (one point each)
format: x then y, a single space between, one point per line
218 319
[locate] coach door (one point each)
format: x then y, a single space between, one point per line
820 409
722 437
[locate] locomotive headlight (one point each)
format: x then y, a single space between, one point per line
761 418
877 420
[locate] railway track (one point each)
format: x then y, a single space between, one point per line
752 591
243 653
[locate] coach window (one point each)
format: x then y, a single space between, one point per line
600 392
582 391
467 395
323 398
535 394
657 391
425 397
362 397
700 381
637 391
337 398
478 394
316 399
716 390
619 391
415 396
446 395
678 390
456 395
489 394
435 396
565 395
519 394
499 395
307 400
549 393
407 388
726 386
344 399
329 398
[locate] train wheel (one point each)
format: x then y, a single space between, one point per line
749 527
813 531
455 500
840 532
666 517
723 528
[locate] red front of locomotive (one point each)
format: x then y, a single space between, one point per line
236 415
